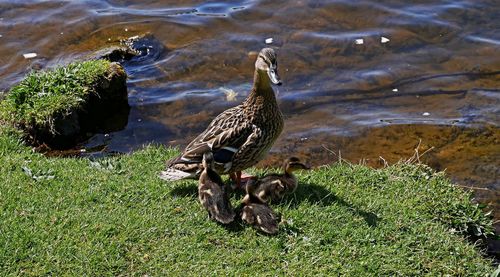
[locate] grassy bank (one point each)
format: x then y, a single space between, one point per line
74 216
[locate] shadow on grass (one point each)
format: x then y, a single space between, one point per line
308 192
313 193
185 190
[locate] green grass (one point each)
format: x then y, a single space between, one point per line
74 216
44 95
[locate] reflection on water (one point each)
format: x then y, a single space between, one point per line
436 79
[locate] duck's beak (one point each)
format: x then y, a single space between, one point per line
273 75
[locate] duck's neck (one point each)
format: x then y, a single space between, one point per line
262 92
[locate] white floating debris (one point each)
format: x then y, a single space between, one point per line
1 36
83 150
126 30
29 55
395 90
426 114
62 33
230 94
359 41
269 40
384 40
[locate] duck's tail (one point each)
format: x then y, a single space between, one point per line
178 169
172 174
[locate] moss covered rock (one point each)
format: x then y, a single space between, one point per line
65 105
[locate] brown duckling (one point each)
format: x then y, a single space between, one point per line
259 215
212 194
274 186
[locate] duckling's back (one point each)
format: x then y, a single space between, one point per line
261 216
272 187
213 197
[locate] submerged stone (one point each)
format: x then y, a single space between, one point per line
114 54
135 49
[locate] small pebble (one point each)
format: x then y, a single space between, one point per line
269 40
126 30
83 150
359 41
29 55
384 40
426 114
106 135
1 36
395 90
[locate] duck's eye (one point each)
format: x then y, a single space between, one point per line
265 59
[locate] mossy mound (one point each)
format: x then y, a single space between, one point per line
63 106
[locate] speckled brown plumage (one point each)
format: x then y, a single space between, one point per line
275 185
212 194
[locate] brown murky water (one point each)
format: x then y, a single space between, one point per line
437 79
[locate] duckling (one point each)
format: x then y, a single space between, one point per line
274 186
211 193
259 215
241 136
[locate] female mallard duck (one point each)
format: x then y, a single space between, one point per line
212 194
239 137
259 215
274 186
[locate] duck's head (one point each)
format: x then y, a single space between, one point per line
267 64
208 160
293 163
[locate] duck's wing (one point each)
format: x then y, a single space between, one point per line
223 136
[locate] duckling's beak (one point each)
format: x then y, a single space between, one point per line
273 75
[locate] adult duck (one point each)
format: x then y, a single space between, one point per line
239 137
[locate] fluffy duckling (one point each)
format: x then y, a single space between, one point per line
259 215
212 194
274 186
